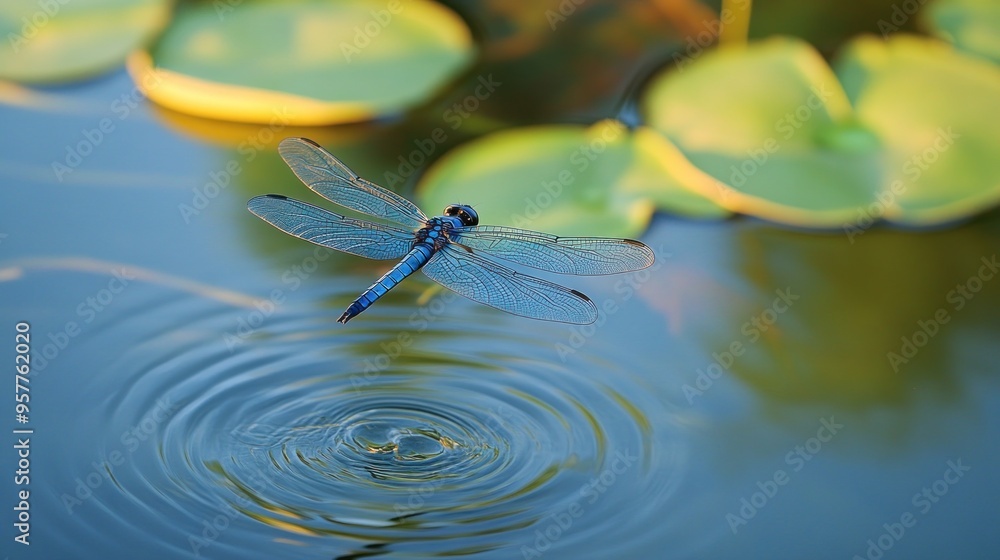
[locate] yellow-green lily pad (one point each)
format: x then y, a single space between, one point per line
936 111
306 62
972 25
64 40
774 124
602 179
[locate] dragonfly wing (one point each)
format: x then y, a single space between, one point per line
551 253
334 181
322 227
463 271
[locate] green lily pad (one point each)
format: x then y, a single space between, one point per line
973 25
310 61
936 111
568 179
57 41
773 124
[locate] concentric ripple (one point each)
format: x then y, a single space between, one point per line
436 439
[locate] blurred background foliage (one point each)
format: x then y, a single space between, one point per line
901 129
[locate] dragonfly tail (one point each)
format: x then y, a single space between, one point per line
354 309
413 260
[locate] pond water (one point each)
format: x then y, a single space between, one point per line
760 392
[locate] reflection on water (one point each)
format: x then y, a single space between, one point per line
871 318
470 438
177 423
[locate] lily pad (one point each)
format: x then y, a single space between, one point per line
972 25
304 62
762 120
568 179
776 127
60 41
936 111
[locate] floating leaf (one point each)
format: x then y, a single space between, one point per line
973 25
63 40
935 110
760 120
305 62
567 179
774 125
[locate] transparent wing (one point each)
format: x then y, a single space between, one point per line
458 268
334 181
322 227
563 255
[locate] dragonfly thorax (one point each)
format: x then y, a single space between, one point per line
436 231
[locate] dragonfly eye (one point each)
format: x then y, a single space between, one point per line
466 214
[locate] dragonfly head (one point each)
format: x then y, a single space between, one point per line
463 212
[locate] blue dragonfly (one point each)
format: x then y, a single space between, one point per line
453 249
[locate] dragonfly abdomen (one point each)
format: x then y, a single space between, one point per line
416 258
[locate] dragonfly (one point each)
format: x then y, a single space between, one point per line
451 249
